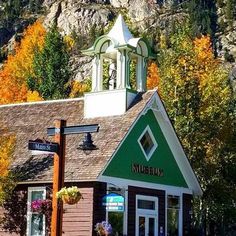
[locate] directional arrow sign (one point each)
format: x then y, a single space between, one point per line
39 147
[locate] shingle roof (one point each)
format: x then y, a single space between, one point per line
30 121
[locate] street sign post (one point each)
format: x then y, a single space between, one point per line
39 147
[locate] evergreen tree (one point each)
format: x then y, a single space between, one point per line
51 68
230 9
202 16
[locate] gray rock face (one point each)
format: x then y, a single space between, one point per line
81 67
80 16
119 3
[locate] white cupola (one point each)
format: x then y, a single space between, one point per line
118 71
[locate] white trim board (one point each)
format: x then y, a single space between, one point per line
175 145
124 183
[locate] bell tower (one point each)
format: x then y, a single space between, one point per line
118 71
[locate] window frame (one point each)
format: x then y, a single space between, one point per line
30 213
155 144
179 209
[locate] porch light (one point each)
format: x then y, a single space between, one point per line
87 144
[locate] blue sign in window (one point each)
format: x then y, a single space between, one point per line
113 202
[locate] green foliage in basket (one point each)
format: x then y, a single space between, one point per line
70 192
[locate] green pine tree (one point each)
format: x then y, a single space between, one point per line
202 16
51 68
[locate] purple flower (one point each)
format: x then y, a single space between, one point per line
107 227
103 227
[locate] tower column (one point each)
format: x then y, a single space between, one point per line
97 73
140 74
127 71
120 69
100 73
144 78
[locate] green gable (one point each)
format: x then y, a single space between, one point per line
129 162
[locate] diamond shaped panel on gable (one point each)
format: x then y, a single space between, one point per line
147 143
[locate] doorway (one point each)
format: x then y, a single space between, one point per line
146 216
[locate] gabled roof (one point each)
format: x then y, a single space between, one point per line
30 121
155 104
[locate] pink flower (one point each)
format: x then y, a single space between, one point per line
41 206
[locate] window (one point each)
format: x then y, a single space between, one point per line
35 221
115 213
116 220
147 143
173 206
145 204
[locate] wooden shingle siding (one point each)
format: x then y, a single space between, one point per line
132 192
77 219
31 120
187 210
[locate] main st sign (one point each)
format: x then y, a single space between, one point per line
42 147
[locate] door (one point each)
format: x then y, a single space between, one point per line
146 216
147 225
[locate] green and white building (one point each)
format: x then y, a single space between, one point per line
138 178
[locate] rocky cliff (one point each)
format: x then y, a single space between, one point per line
89 18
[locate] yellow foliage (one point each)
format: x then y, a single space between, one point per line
78 88
203 48
18 66
33 96
70 42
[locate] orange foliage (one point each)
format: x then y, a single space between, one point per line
203 49
153 77
18 66
6 151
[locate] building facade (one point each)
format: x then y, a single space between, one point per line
138 177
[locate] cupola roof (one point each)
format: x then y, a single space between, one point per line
120 32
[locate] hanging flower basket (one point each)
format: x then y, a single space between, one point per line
41 206
69 195
71 200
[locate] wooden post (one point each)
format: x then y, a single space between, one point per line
58 179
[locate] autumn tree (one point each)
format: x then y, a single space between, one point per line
152 76
79 88
51 68
18 66
195 89
7 143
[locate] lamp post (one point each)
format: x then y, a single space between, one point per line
59 132
58 148
58 178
